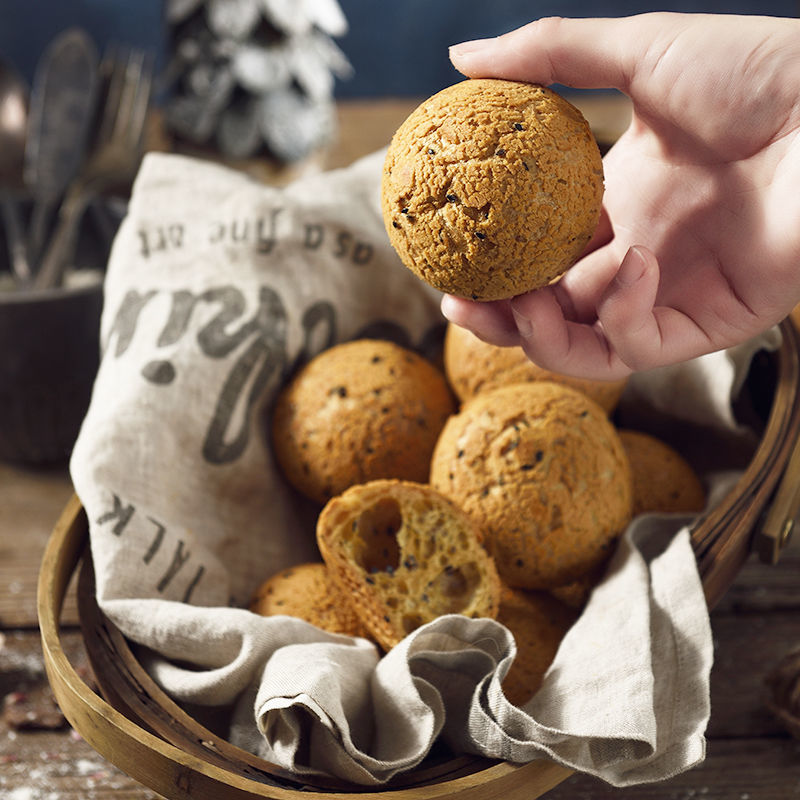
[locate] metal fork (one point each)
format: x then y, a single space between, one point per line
114 159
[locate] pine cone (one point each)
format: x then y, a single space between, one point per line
252 77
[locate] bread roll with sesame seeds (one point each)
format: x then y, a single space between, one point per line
472 365
359 411
538 622
492 188
575 595
542 471
663 480
405 555
307 592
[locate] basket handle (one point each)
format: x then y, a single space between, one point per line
783 515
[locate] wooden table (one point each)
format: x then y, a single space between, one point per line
750 756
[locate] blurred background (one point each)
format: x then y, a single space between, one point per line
274 87
396 48
224 66
400 48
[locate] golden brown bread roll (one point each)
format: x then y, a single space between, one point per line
492 188
542 471
362 410
576 594
472 366
539 623
307 592
663 480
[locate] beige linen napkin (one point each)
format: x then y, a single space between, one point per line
216 289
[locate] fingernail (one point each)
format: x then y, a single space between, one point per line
524 326
633 266
447 306
468 48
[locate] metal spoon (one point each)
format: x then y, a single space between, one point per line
61 112
13 133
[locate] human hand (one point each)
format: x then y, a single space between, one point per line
698 247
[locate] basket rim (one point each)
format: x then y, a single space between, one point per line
722 541
723 538
176 773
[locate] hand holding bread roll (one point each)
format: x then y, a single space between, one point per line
698 244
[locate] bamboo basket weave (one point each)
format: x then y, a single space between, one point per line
138 728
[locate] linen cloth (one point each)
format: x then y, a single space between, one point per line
217 288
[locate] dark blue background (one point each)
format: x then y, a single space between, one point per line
398 47
26 26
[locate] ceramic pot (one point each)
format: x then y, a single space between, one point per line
49 355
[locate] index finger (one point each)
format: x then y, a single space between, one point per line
581 53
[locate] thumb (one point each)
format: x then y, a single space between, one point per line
642 334
582 53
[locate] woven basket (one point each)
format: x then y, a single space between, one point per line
142 731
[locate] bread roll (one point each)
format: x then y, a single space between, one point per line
405 555
472 366
542 471
362 410
306 591
492 188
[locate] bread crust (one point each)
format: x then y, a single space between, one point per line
307 592
538 622
492 188
542 471
663 480
472 366
359 411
